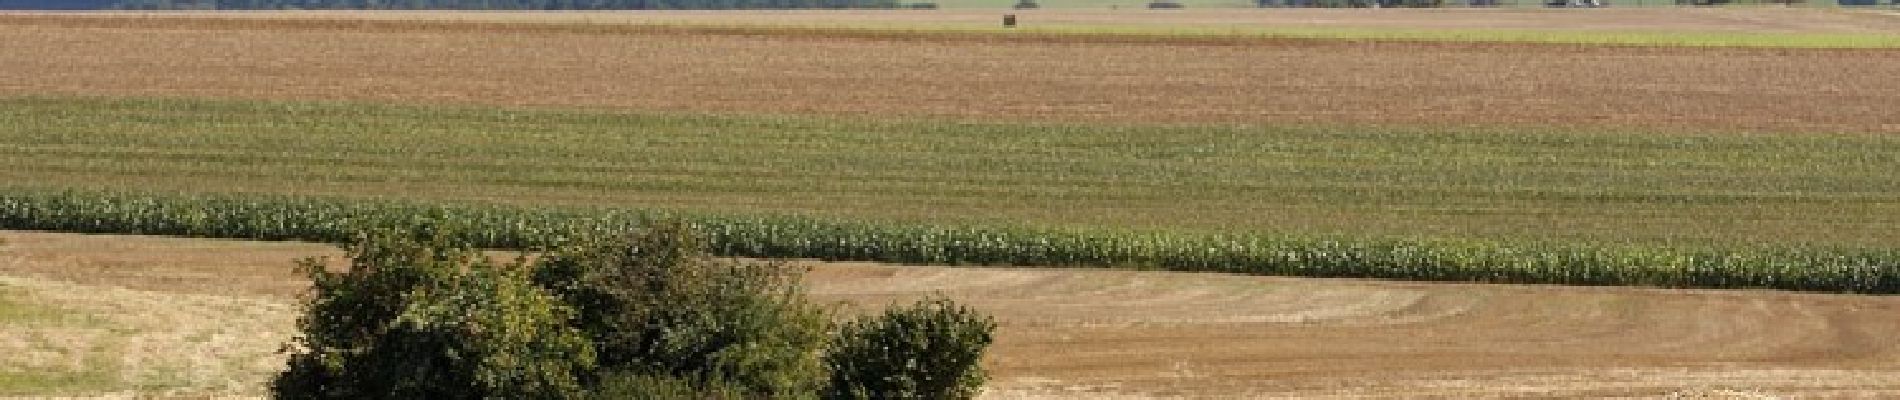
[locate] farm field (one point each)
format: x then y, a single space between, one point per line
1166 81
1741 20
1121 334
1351 181
1721 27
1710 148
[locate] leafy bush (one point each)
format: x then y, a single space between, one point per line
646 315
625 386
421 318
655 304
929 350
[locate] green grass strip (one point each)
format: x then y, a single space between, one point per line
266 217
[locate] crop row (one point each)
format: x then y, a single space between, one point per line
1806 268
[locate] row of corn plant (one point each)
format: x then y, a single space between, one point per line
269 217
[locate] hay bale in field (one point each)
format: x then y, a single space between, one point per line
1165 5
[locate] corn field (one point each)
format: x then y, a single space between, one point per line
265 217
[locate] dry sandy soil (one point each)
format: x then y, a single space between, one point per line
972 77
1117 334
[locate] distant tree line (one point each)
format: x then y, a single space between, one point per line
495 4
57 4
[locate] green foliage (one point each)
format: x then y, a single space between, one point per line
627 386
656 304
417 316
929 350
430 318
1807 268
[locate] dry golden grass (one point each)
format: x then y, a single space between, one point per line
1092 334
1148 81
151 343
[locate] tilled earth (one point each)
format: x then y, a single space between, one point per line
1158 80
1073 333
1616 19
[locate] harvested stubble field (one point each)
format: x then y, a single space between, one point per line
1065 333
1070 78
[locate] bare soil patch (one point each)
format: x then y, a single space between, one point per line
1130 334
1155 82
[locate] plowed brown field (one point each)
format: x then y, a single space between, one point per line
1123 334
1153 81
1681 20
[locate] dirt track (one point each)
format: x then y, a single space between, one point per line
1121 334
1163 82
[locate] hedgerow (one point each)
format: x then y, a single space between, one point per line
1789 267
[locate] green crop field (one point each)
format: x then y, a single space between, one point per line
1365 181
1811 267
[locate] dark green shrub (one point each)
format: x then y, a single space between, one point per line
420 318
650 387
655 304
929 350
